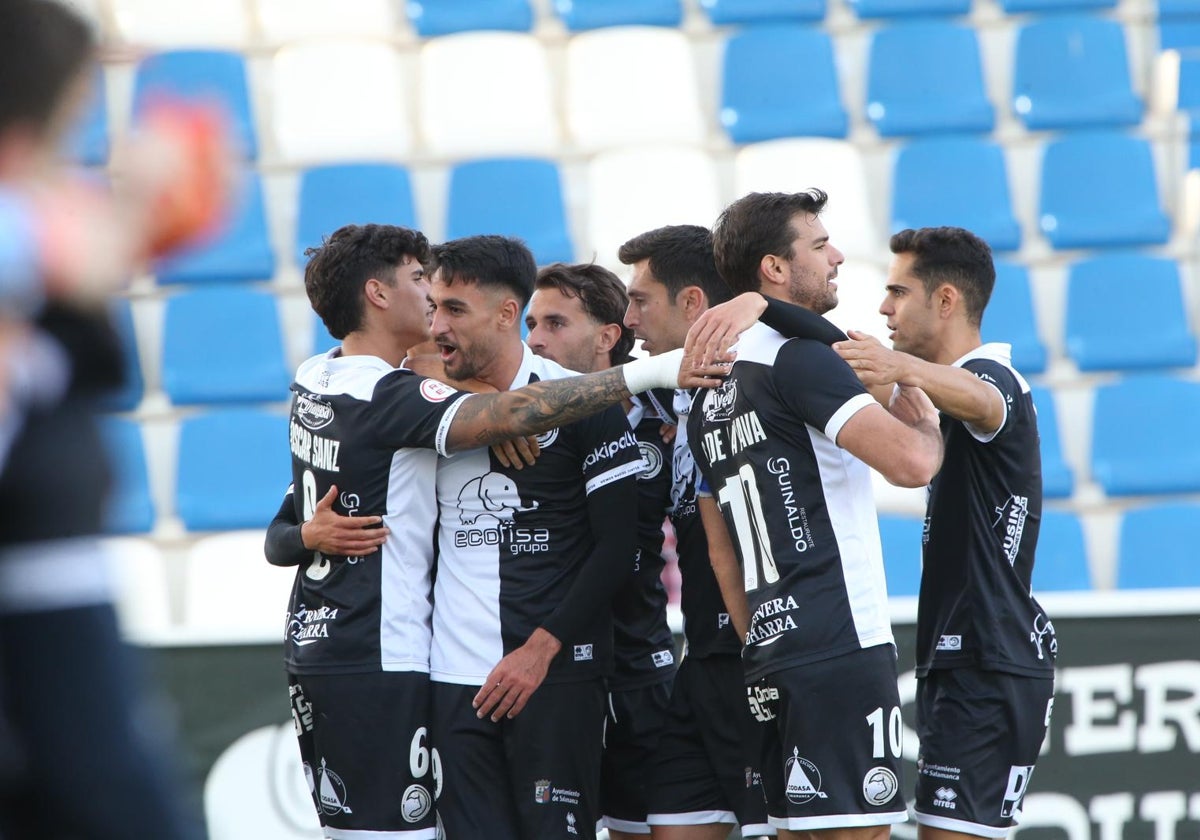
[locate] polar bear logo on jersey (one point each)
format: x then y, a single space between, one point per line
492 494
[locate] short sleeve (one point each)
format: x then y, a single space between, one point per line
1002 379
413 411
818 386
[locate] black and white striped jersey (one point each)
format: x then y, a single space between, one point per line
544 546
981 530
706 625
375 431
799 509
643 648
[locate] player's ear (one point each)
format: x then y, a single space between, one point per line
510 312
770 271
947 299
376 293
692 301
607 337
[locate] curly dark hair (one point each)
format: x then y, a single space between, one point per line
345 260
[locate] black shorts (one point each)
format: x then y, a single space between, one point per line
832 753
631 735
536 775
364 742
980 732
704 771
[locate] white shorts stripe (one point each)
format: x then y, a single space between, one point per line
839 820
692 818
961 826
363 834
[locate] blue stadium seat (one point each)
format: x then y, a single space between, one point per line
1010 318
1132 451
1157 548
1073 72
1076 202
353 193
908 8
1016 7
579 15
1150 328
766 93
726 12
531 207
443 17
130 509
223 345
901 538
128 397
926 77
960 181
1174 9
1182 35
1061 563
238 250
233 468
87 143
200 75
1058 482
1188 99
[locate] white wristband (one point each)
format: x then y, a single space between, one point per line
661 371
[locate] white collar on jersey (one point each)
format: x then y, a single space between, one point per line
997 351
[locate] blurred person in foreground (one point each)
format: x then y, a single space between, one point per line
80 756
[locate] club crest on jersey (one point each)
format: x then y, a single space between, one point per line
416 803
880 785
492 494
718 403
541 791
313 413
546 439
653 457
434 391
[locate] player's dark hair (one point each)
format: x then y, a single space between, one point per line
951 255
601 294
352 255
492 261
44 47
679 256
755 225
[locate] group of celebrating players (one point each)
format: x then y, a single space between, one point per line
477 640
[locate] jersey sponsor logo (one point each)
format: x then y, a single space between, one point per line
662 658
718 403
771 620
722 620
797 517
327 789
302 714
416 804
320 453
544 792
571 829
436 392
1042 627
546 439
1010 524
950 643
683 480
944 797
761 698
307 627
312 412
653 457
743 431
492 494
1018 783
802 779
609 450
583 653
938 771
541 791
880 785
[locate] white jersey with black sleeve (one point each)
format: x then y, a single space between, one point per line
976 607
799 509
375 431
512 545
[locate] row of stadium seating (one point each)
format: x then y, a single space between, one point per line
923 77
239 23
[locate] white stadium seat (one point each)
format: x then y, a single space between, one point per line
634 190
141 590
835 166
342 99
485 94
630 85
231 592
291 20
155 23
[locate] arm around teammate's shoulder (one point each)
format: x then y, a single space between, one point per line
961 394
903 444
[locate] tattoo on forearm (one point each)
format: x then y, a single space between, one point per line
540 406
